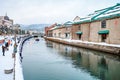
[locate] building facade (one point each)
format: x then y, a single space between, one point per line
68 30
58 31
6 21
48 30
81 31
63 31
100 26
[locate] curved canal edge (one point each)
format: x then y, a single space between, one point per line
18 71
112 49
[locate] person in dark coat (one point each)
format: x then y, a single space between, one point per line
3 50
6 45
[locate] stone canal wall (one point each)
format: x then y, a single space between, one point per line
104 48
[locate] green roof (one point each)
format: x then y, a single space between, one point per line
79 32
84 21
107 13
68 23
59 25
103 32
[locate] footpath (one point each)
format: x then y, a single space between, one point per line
6 63
10 68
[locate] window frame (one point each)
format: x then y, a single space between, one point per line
79 27
103 24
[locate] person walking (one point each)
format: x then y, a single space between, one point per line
3 50
14 50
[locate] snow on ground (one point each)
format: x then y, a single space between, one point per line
6 63
2 37
18 67
86 42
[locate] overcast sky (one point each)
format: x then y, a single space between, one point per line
50 11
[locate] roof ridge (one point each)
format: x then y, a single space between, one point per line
105 10
118 4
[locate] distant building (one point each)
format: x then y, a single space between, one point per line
62 30
6 21
68 29
16 27
31 32
48 31
58 31
77 18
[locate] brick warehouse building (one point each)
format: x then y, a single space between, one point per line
100 26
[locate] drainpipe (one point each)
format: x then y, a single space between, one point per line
89 33
82 34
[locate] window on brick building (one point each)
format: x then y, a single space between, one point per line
59 35
54 34
103 24
79 27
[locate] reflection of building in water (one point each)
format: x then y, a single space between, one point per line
85 59
113 70
49 44
56 46
102 67
93 60
99 65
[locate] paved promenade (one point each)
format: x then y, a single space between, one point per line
6 63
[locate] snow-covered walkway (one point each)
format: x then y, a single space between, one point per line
6 63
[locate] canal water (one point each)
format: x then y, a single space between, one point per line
46 60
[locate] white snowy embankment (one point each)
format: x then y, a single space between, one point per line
18 66
86 42
7 62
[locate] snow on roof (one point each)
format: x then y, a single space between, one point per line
56 27
109 12
68 23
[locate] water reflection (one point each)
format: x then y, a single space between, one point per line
98 64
